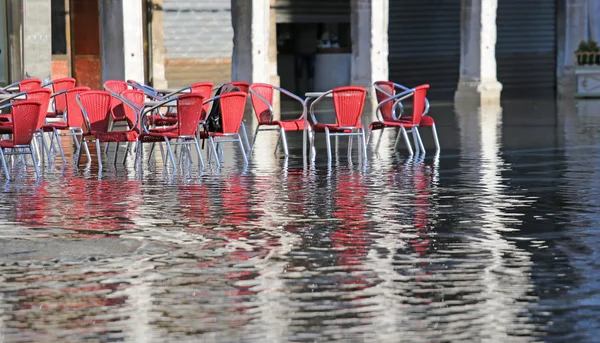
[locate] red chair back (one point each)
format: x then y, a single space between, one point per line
97 105
60 101
42 95
205 89
386 109
74 115
116 107
25 119
243 86
30 84
189 111
349 103
261 109
419 103
136 96
233 106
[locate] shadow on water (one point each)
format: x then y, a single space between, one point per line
495 240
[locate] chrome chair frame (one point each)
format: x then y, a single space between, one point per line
282 136
425 113
14 151
360 132
187 140
235 138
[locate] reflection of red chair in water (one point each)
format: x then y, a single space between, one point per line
350 208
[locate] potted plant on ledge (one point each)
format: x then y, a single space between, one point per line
587 71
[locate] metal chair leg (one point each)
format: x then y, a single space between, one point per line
400 132
4 166
116 153
170 154
242 148
328 142
214 150
99 152
364 146
435 138
253 140
284 141
127 147
349 147
200 160
110 128
62 152
35 165
379 141
243 127
277 145
87 150
419 140
408 146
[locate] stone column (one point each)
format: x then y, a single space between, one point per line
251 27
572 20
274 77
159 79
478 82
369 26
37 42
122 40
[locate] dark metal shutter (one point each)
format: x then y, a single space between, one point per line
424 43
312 11
526 47
198 41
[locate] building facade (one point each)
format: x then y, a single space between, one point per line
462 48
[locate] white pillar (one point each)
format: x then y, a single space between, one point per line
478 80
122 40
158 47
37 42
369 26
573 20
251 28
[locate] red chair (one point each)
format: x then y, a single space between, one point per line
133 102
25 117
387 109
189 114
96 109
348 104
73 124
42 95
23 85
243 86
262 102
233 106
170 118
59 86
387 89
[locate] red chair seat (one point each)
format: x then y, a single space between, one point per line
53 114
158 134
168 120
5 117
320 127
6 129
290 125
7 144
117 136
57 125
427 121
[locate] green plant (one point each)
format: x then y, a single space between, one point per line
588 52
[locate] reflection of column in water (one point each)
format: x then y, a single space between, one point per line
139 300
480 147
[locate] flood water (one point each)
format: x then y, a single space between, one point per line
495 240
